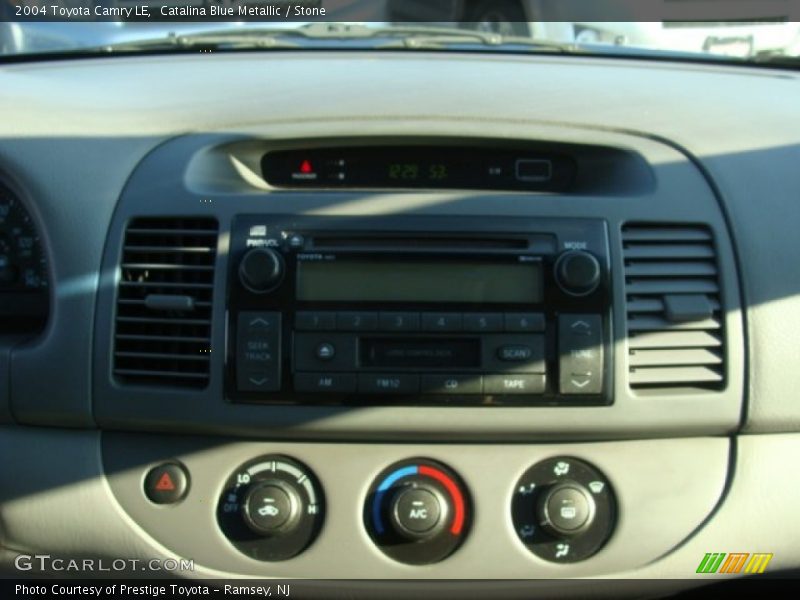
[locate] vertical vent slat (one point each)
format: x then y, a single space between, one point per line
674 312
161 342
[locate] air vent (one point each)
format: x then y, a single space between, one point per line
163 322
674 313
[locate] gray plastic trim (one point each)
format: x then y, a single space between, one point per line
655 482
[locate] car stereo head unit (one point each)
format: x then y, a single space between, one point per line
419 310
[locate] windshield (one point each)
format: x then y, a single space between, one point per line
755 31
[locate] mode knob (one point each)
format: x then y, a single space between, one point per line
261 270
577 272
563 509
566 509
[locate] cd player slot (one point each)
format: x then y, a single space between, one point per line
405 242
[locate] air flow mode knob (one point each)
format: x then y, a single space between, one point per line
261 270
577 272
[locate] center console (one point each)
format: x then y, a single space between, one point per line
302 347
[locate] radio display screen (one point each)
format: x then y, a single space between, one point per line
362 280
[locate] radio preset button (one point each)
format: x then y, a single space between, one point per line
331 383
441 321
326 351
524 322
483 322
399 321
513 384
315 321
388 384
452 384
357 321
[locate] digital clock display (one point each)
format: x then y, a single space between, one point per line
418 167
417 171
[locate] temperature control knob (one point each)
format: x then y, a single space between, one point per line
261 270
272 508
577 272
417 511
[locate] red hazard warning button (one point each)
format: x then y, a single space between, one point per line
166 483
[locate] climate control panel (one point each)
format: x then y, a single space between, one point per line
417 511
360 509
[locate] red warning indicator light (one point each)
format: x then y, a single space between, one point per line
306 168
165 483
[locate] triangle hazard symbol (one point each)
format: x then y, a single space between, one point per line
165 483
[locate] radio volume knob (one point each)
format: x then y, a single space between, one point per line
261 270
577 272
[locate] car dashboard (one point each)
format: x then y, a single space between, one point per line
400 315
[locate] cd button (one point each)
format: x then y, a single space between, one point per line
513 384
357 321
451 384
388 384
524 322
441 322
399 321
483 322
315 321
